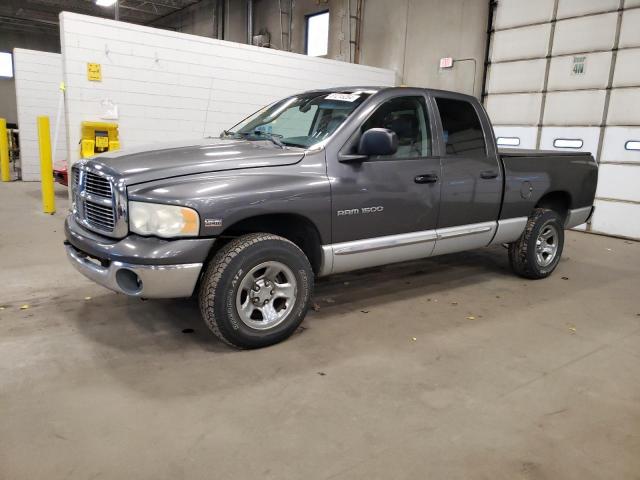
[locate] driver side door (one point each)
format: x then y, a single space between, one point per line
388 204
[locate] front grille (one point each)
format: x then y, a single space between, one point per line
99 216
99 203
97 185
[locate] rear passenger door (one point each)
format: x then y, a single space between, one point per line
471 176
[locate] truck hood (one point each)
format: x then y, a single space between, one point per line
156 162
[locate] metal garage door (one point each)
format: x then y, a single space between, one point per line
563 75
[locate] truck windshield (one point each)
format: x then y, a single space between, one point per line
301 120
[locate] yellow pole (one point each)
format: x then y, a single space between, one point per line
5 174
46 166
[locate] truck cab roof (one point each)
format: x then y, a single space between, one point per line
378 89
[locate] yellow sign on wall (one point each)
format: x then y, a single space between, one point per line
94 72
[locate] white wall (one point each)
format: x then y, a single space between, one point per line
37 76
10 39
171 86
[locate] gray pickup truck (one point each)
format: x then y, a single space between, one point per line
323 182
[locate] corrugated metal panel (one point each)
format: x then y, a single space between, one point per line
551 137
525 136
595 73
575 92
617 218
585 34
514 109
618 142
623 107
619 182
514 13
629 30
581 107
573 8
524 76
520 43
627 72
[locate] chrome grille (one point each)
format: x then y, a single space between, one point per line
97 185
99 216
99 201
75 177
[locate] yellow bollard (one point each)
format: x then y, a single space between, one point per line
5 174
46 166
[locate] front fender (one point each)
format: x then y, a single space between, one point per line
224 198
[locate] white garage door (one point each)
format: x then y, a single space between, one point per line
564 75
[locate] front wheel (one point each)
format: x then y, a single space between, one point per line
538 250
256 290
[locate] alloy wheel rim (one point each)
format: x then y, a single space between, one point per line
266 295
547 245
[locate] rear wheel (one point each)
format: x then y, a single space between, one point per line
538 250
256 290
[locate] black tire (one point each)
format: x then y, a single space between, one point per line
224 275
523 255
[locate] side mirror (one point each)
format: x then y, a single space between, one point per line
378 141
375 141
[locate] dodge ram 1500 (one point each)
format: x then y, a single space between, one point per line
322 182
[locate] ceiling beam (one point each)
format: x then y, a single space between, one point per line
169 16
38 14
171 6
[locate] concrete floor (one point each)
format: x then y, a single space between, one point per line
449 368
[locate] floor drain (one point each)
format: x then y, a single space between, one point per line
188 330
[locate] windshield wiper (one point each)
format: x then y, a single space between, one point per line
274 137
293 144
227 133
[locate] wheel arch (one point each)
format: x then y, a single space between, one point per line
294 227
557 200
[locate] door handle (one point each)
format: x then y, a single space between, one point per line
488 174
426 178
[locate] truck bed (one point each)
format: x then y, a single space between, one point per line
529 175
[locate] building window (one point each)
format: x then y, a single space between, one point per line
508 141
6 65
317 34
568 143
632 145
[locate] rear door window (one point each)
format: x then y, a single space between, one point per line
461 128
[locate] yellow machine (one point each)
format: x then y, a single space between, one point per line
98 137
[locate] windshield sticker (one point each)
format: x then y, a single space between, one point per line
343 97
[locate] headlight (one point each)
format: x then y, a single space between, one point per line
163 220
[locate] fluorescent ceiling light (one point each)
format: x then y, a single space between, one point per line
105 3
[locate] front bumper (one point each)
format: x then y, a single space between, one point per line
148 281
137 266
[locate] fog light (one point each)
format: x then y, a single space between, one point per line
128 281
